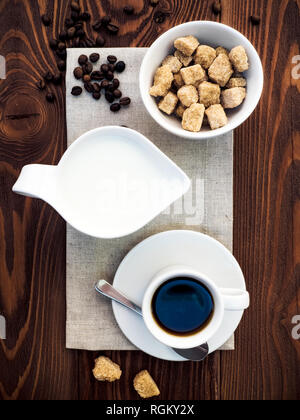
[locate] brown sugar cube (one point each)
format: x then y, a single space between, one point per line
106 370
209 94
221 70
188 95
184 59
168 104
236 82
193 74
205 56
231 98
180 111
193 118
239 59
173 62
145 386
221 50
178 80
216 116
187 45
162 81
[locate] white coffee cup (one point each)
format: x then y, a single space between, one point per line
224 300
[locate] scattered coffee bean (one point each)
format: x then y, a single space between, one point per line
61 65
86 78
69 23
85 16
106 20
116 83
76 42
94 57
112 59
100 41
120 66
50 97
83 59
113 29
110 88
159 17
97 75
57 79
217 7
255 20
53 44
48 76
96 87
97 26
104 68
87 68
89 43
111 67
63 35
109 75
97 95
75 6
105 84
154 3
62 54
71 32
129 10
115 107
76 91
41 85
117 93
82 44
125 101
61 46
89 87
46 20
109 97
80 33
78 26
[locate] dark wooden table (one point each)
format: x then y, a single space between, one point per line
34 363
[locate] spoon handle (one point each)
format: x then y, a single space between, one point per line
105 289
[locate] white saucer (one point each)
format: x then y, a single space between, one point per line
179 247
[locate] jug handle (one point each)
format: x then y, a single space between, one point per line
35 181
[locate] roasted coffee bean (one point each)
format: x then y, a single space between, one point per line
255 20
110 88
46 20
53 44
63 35
117 93
111 67
74 15
97 26
69 23
82 43
83 59
105 84
97 75
129 10
217 7
125 101
96 87
80 33
89 87
78 73
57 79
104 68
106 20
50 97
100 41
94 57
87 68
61 46
115 107
112 59
48 76
41 85
76 91
120 66
85 16
75 6
113 29
109 75
109 97
154 3
86 78
159 17
78 26
76 42
62 54
89 42
71 32
116 83
97 95
61 65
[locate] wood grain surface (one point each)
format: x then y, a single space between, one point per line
34 363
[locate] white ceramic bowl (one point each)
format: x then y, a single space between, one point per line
213 34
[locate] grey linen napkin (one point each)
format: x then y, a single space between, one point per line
91 324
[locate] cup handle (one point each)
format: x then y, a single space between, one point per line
235 299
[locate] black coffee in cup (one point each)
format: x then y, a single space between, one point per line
182 306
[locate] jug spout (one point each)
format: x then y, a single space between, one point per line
36 181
